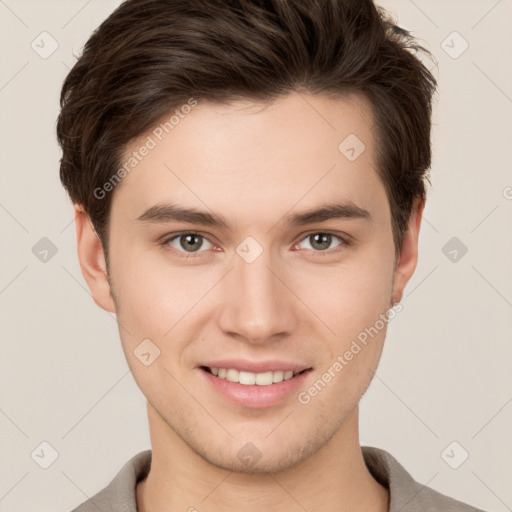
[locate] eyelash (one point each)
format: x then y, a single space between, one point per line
345 242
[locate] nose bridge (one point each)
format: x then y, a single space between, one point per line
258 304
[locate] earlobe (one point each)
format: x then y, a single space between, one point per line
408 257
92 260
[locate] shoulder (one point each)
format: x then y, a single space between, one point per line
407 495
120 494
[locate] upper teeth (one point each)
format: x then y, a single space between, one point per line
249 378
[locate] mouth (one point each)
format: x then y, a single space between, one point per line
247 378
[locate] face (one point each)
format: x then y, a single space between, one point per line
246 284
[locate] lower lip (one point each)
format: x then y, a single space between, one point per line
255 396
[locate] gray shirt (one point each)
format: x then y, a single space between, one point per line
406 495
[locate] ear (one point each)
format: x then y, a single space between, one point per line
92 260
408 257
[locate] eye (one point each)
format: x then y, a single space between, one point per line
187 242
321 241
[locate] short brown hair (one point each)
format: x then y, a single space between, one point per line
151 56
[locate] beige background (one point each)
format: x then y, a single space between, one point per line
445 374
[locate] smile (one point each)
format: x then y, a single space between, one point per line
252 379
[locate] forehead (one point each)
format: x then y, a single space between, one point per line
252 159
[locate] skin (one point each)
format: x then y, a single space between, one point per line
253 164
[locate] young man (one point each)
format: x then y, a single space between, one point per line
249 180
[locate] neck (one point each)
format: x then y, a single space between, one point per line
333 479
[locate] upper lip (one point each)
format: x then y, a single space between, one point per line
256 366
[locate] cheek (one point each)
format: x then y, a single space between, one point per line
158 305
354 307
157 301
348 298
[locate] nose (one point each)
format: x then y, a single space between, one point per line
258 306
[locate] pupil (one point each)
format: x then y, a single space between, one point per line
324 238
189 244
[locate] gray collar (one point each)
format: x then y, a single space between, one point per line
406 495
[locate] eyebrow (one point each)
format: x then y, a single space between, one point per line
162 213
